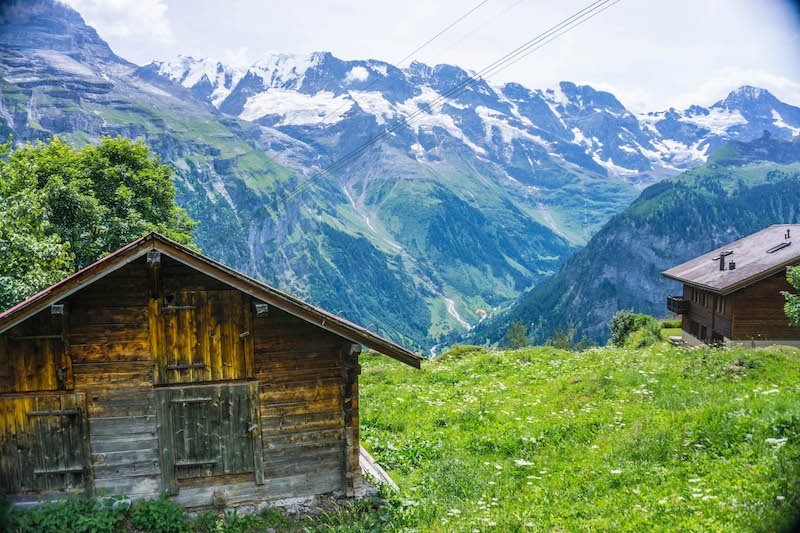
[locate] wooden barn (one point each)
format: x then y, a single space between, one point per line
158 370
732 295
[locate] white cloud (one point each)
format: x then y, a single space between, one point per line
716 87
357 74
239 57
126 19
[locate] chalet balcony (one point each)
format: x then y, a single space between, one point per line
677 305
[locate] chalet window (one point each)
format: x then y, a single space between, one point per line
207 431
721 304
202 336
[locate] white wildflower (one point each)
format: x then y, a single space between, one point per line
777 442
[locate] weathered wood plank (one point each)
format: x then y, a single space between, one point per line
166 447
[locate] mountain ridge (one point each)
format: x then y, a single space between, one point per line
486 194
744 187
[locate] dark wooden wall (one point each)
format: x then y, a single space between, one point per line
111 358
759 311
710 315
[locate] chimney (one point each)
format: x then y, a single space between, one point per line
722 261
788 233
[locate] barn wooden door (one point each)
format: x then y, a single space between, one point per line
44 443
201 336
208 430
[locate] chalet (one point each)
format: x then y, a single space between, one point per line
732 295
157 370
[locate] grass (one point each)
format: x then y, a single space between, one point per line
82 515
670 328
609 439
540 439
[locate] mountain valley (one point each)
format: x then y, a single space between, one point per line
479 197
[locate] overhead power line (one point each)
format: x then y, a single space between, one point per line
408 56
476 29
429 41
539 41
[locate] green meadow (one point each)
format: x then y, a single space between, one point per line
539 439
607 439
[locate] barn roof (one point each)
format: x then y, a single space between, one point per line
756 257
257 289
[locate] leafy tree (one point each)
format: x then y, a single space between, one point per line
563 337
517 335
625 322
793 300
62 208
32 257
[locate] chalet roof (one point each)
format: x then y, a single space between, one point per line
237 280
756 256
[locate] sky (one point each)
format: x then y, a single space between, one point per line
652 54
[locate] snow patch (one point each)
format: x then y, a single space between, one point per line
285 70
612 168
580 138
189 72
295 108
375 104
429 115
777 119
717 121
494 119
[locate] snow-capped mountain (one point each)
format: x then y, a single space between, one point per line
480 196
526 131
475 158
207 78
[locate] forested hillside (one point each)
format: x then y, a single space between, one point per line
743 188
481 196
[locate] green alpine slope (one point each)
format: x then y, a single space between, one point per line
447 241
743 188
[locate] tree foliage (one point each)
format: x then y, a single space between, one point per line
793 300
517 335
62 208
625 322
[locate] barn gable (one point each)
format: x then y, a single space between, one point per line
237 280
156 369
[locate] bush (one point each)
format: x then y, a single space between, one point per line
69 514
671 324
625 322
646 335
457 351
159 515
